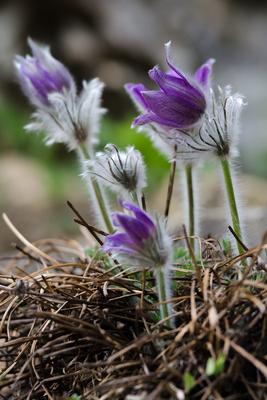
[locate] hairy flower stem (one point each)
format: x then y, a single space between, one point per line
190 202
162 286
98 194
232 200
137 198
170 189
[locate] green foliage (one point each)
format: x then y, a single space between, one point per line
182 258
184 262
181 252
13 136
98 255
215 366
227 246
95 253
74 397
189 381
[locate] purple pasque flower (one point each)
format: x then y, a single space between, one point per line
41 75
63 114
140 240
179 103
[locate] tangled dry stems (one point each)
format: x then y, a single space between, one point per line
73 327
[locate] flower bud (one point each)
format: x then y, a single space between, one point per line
119 170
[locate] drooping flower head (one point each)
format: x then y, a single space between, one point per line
41 74
64 116
119 170
140 240
179 103
219 132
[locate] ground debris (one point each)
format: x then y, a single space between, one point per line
74 328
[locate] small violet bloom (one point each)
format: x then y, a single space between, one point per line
179 103
41 74
140 241
64 115
121 171
144 243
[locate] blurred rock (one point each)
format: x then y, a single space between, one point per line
10 31
26 197
22 183
80 45
115 74
129 26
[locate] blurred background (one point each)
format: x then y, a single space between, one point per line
118 41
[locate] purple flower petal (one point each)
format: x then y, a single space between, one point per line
136 230
48 62
176 71
184 92
135 92
114 219
203 73
145 119
141 241
140 215
117 240
166 124
42 75
168 80
170 112
41 80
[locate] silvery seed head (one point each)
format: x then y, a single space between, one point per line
119 170
218 134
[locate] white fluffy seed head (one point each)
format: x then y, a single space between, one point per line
71 119
218 134
119 170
